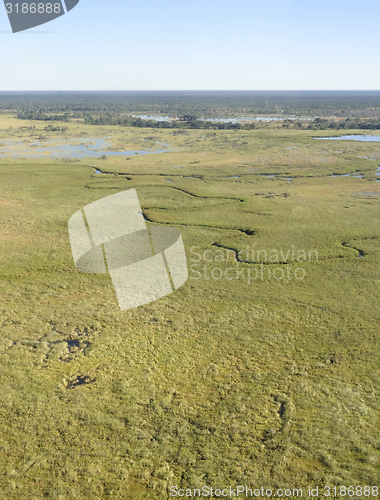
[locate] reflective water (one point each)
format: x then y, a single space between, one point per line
242 119
368 158
85 149
361 138
239 119
156 118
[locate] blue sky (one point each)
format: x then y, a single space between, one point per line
197 45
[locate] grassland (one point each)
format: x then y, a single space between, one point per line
272 383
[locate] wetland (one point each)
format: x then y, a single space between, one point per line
273 382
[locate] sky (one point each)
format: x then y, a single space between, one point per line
197 45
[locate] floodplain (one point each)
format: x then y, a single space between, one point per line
270 381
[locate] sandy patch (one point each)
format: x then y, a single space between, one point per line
7 202
7 234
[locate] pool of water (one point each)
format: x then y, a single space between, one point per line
360 138
369 194
87 148
156 118
239 119
232 177
368 158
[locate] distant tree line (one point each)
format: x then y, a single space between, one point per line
38 115
349 123
226 104
187 121
334 124
190 121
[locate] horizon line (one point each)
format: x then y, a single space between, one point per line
198 90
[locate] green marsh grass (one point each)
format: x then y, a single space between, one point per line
269 383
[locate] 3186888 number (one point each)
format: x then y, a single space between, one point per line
357 491
33 8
